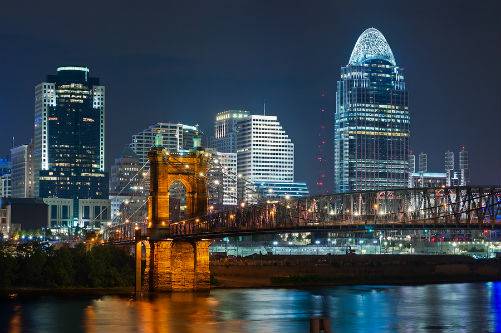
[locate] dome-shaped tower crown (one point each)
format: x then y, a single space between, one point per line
371 45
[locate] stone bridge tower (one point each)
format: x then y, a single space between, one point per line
174 264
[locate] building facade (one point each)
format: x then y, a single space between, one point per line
225 130
423 162
457 174
372 120
281 190
5 179
222 179
5 185
449 167
464 166
265 153
175 138
428 179
69 138
24 214
23 180
128 182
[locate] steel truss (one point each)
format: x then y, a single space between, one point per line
472 207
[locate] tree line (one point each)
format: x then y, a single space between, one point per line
40 265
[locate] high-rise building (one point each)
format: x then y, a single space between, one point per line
175 138
23 180
457 174
265 153
126 177
423 162
372 120
225 130
412 168
128 181
5 180
5 185
449 166
69 141
222 179
464 166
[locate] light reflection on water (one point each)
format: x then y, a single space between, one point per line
429 308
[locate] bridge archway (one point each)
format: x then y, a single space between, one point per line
177 201
171 169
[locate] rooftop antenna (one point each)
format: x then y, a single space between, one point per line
12 142
264 108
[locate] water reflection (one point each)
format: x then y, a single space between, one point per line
430 308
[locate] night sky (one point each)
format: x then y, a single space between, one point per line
184 61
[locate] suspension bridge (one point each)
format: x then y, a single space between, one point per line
176 255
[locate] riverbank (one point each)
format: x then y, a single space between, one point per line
276 271
313 271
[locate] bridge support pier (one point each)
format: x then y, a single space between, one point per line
173 265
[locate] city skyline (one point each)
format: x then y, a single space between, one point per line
292 88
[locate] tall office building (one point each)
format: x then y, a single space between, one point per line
223 182
449 167
464 166
23 181
412 168
265 153
423 162
372 120
5 180
225 130
69 142
222 179
5 185
128 181
176 138
126 177
457 174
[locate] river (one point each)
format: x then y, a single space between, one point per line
468 307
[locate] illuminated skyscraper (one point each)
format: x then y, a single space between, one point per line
449 166
225 130
372 121
265 153
423 162
69 141
22 171
464 166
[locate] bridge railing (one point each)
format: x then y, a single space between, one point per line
475 206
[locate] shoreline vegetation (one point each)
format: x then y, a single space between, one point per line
36 269
35 265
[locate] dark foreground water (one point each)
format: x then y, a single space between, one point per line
469 307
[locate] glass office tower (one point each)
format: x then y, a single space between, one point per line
69 137
372 121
